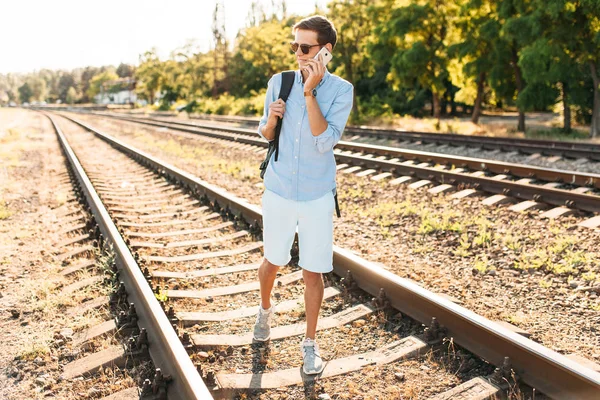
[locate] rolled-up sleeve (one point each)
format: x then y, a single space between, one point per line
336 118
269 98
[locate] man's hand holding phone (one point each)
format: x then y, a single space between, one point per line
316 68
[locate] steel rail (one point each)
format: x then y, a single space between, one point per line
553 374
569 149
165 347
524 191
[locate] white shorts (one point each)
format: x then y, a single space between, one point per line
314 221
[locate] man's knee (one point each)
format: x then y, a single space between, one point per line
268 268
312 278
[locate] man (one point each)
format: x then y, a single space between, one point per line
300 185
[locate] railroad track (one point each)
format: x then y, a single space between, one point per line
199 248
556 192
566 149
89 272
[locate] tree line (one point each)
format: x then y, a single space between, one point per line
418 57
77 86
414 57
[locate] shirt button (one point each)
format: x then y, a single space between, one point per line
294 172
296 140
298 123
296 157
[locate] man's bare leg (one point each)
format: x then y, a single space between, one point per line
267 273
313 297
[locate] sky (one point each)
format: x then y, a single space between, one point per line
66 34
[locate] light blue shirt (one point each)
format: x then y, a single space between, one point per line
305 168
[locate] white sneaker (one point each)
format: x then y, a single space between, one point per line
313 364
262 327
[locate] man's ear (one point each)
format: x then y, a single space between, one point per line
329 47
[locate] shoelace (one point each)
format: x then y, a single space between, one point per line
313 345
263 318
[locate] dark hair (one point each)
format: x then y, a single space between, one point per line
326 32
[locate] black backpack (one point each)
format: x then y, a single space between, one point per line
287 81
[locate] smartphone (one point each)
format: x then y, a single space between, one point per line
326 55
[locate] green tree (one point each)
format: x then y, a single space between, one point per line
98 83
519 29
25 93
38 88
86 76
478 50
415 42
52 79
586 22
149 74
125 70
260 52
174 83
71 95
354 24
65 82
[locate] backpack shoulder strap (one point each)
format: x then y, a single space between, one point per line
287 81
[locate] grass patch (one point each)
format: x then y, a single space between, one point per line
536 260
161 295
516 319
511 242
32 350
444 223
545 284
561 244
482 265
570 262
355 193
556 134
423 248
5 212
589 276
464 244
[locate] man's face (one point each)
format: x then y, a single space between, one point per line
308 38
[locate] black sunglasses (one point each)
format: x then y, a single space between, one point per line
304 47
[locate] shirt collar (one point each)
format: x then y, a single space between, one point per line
325 77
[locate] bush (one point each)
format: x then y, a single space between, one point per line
229 105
